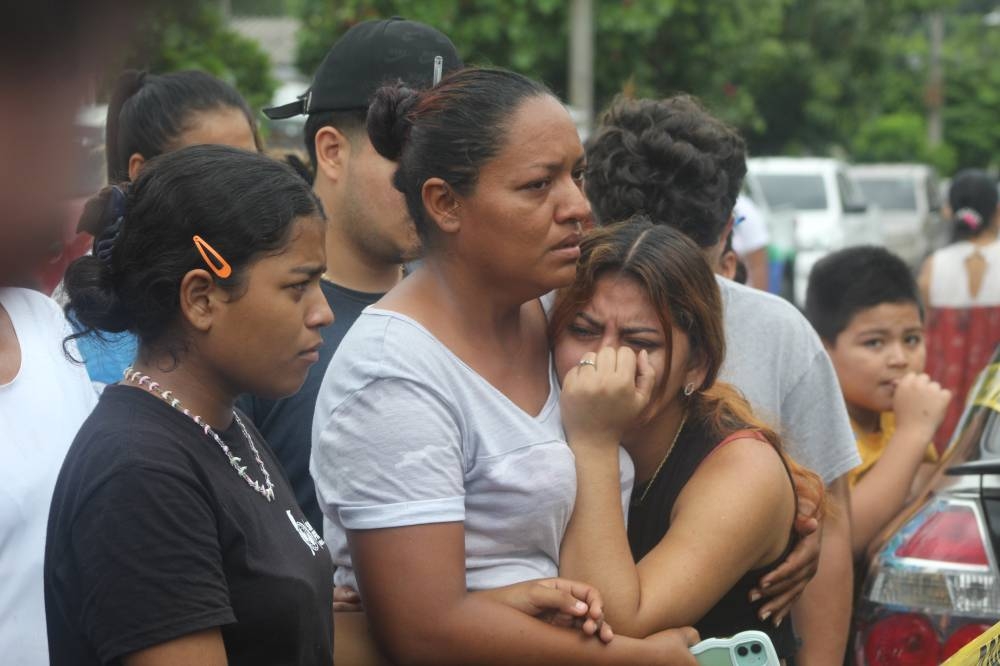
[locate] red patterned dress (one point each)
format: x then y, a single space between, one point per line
963 329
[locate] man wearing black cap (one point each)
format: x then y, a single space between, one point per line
369 233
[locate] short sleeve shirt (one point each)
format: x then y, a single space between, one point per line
153 536
406 433
750 229
871 446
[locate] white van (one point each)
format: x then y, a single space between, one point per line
909 207
829 210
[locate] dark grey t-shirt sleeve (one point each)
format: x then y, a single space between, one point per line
147 551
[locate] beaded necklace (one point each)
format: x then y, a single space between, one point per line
266 489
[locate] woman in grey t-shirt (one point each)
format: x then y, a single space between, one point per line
438 452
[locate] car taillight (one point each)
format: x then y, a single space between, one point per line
951 535
961 637
938 563
902 640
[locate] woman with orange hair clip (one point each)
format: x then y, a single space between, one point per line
174 536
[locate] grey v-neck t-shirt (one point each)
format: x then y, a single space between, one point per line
405 433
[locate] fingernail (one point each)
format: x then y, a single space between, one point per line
765 615
766 584
580 606
777 622
754 596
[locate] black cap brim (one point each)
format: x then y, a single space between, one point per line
295 108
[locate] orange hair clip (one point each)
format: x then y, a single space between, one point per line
220 267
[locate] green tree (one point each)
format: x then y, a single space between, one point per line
188 34
972 90
261 7
900 137
796 76
645 47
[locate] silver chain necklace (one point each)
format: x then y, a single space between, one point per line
266 489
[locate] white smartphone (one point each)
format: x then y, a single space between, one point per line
747 648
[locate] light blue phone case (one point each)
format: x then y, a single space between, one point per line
747 648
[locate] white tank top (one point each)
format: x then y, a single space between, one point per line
950 281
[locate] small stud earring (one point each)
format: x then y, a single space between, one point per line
688 389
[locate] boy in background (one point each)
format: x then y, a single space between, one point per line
864 304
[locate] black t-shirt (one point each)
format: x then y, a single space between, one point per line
649 521
287 423
152 535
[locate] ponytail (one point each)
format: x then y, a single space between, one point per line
389 120
973 198
129 83
90 280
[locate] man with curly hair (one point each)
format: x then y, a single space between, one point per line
673 161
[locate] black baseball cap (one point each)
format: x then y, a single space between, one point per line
369 55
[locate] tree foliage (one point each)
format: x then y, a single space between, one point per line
261 7
900 137
796 76
188 34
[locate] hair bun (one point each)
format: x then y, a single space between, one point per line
128 84
388 119
101 210
93 300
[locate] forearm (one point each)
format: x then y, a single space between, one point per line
882 491
479 631
432 619
595 547
822 615
925 471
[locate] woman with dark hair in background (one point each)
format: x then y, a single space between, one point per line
148 115
438 450
960 287
174 537
713 506
152 114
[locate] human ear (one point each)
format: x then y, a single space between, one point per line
727 265
442 205
332 153
198 294
135 163
696 377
